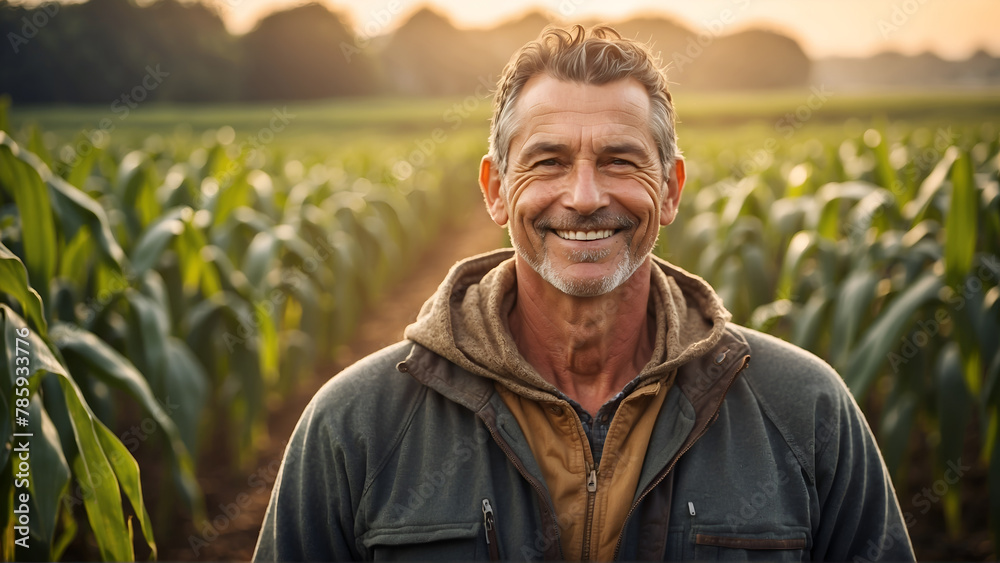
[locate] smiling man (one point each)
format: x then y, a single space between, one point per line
576 398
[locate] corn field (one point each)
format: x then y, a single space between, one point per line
177 283
882 256
192 284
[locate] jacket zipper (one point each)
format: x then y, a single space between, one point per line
659 478
542 496
591 500
489 523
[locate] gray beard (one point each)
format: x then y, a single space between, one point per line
584 288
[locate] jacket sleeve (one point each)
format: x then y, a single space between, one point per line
311 513
860 518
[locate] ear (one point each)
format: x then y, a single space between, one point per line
672 194
489 182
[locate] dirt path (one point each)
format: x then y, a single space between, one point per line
235 506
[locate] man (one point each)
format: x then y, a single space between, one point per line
575 398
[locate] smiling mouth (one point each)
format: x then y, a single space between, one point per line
584 235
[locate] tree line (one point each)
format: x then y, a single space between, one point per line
116 51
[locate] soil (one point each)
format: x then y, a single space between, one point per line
235 500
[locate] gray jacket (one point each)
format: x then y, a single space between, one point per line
408 455
394 457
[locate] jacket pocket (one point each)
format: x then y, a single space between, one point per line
785 544
426 542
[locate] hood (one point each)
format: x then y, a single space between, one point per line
465 321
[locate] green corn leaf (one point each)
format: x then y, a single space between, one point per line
260 258
154 241
757 284
853 302
37 146
73 207
953 403
805 332
38 231
76 209
91 468
916 211
14 282
126 471
802 245
48 485
186 383
961 224
894 432
81 168
994 494
883 336
150 326
115 370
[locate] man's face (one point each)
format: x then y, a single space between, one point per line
584 194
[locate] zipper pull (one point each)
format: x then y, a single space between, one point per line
592 481
488 518
491 535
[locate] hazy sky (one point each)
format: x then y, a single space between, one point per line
953 28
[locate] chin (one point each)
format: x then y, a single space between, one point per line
589 286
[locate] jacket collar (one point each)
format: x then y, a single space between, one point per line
465 321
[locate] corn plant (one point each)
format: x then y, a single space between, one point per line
881 258
181 278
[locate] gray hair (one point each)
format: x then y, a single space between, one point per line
597 57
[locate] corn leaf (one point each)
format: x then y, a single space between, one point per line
14 282
91 469
961 225
38 233
894 432
953 403
48 485
185 382
115 370
884 335
853 301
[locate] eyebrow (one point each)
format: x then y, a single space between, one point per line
543 147
624 148
546 147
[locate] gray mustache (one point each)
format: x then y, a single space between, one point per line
595 222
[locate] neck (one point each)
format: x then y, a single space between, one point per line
588 347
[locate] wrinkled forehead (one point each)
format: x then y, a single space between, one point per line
551 107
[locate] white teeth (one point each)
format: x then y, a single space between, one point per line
585 235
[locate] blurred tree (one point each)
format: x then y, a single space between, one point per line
103 50
428 56
752 59
305 53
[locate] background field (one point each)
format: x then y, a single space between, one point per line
254 247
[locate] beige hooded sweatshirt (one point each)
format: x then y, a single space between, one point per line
466 322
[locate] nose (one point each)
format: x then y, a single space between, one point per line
584 194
